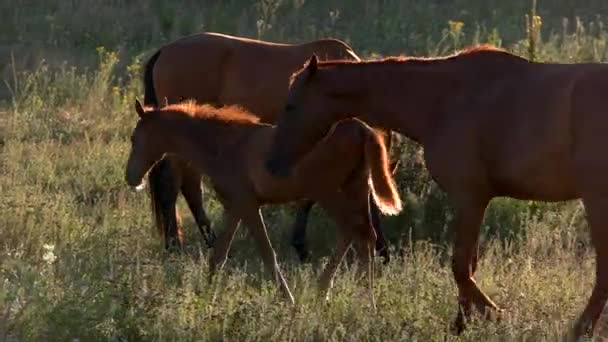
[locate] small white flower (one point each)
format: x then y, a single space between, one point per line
49 254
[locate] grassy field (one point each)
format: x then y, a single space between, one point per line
79 259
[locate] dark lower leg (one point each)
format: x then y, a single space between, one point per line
597 215
381 244
298 238
193 193
168 200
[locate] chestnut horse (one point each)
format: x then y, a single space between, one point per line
221 70
491 124
229 144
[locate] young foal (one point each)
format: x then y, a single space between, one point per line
491 124
221 69
228 145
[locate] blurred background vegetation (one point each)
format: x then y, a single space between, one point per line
58 30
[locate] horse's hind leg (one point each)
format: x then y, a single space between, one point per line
381 244
193 193
364 247
354 224
298 237
254 221
466 226
223 242
597 216
327 277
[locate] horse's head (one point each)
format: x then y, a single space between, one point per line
307 117
145 148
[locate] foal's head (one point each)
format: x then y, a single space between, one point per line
146 147
312 108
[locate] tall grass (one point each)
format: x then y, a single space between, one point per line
79 259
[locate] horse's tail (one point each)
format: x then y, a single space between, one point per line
149 91
384 189
161 170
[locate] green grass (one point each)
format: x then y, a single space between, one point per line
78 255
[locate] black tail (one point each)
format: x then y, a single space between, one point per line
149 91
161 171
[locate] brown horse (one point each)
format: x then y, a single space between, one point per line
228 145
491 124
222 70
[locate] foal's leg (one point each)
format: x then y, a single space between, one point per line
327 277
381 244
365 238
255 223
597 216
353 222
192 190
298 238
223 242
466 226
365 249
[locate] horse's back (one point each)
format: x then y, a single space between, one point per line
191 67
222 69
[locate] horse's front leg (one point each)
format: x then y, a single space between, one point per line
298 238
466 227
254 221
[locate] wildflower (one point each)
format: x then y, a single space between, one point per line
49 254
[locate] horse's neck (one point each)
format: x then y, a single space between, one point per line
208 145
404 99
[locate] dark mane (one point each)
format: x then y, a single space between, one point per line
468 52
226 114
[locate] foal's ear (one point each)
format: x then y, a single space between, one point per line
312 64
139 108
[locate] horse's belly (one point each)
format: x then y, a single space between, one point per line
540 180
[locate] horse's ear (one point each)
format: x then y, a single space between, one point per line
312 64
139 108
165 102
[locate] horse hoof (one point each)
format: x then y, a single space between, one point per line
383 252
581 331
494 314
302 251
211 237
303 256
458 326
387 258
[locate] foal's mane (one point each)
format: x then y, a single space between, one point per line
229 114
470 52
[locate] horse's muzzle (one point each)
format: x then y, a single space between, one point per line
136 184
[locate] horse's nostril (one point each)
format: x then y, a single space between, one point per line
271 165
